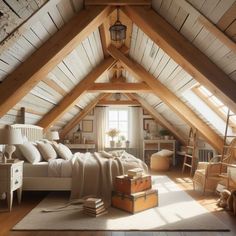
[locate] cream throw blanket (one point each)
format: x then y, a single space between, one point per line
94 173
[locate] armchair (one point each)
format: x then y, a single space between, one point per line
218 169
207 175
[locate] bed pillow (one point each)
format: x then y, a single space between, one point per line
165 152
30 152
47 151
63 151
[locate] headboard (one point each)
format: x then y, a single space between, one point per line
32 132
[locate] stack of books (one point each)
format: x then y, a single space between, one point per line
94 207
135 173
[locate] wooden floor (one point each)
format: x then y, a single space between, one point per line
31 199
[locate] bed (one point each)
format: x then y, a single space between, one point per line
35 176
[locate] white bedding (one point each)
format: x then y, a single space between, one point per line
94 173
35 170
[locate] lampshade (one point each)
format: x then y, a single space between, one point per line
11 136
53 135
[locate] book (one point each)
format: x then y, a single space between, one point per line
136 172
93 202
94 211
96 215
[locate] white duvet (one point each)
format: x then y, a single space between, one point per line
94 173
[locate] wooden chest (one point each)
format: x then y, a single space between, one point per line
126 185
135 202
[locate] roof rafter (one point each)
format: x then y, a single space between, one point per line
158 117
72 98
40 63
73 122
184 53
119 87
168 97
118 2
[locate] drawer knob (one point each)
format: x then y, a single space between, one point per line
16 171
16 182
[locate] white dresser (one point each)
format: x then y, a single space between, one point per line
11 178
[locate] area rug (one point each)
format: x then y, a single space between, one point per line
177 211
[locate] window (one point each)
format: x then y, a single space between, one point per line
118 118
215 104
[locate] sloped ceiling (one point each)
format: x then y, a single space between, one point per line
31 27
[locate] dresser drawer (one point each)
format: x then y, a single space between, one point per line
17 170
16 182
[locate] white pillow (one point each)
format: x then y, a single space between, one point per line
63 151
164 153
30 152
47 151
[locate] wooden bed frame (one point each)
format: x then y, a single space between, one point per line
35 133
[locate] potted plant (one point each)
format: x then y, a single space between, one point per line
121 138
112 133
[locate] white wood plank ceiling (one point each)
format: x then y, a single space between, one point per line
30 34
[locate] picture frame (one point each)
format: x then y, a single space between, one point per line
148 122
145 112
87 126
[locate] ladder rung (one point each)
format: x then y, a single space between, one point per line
187 155
188 165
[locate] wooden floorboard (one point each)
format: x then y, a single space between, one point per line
31 199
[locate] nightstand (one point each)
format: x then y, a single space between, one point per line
11 178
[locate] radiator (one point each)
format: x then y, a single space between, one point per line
205 154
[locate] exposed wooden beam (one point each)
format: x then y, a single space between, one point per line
114 102
228 18
119 87
22 115
105 39
69 126
159 118
168 97
72 98
41 62
118 2
184 53
51 83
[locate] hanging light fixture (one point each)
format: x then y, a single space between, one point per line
118 30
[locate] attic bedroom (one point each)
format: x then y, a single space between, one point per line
118 117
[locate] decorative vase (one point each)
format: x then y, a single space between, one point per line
127 144
112 143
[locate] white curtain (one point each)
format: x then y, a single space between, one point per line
101 120
136 139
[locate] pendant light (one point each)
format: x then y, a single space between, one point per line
118 30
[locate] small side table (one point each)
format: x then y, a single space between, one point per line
11 178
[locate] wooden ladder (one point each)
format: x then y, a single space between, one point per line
190 152
227 136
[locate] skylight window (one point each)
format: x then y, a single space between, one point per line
215 104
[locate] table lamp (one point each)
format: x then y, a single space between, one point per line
11 137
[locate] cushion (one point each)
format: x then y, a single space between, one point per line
47 151
164 153
63 151
30 152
